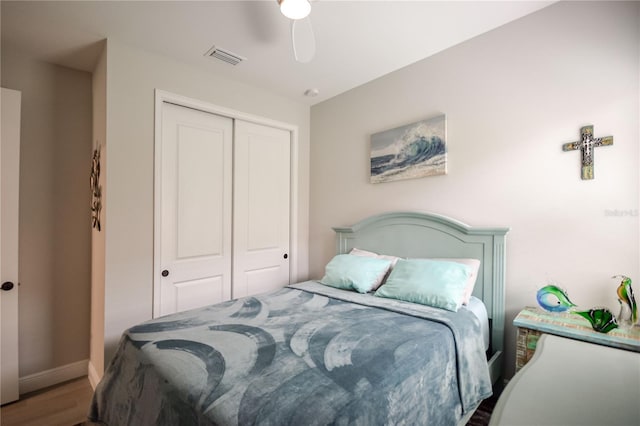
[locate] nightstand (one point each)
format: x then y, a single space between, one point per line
532 322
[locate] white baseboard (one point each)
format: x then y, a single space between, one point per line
94 377
44 379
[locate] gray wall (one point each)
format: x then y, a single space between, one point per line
54 211
512 97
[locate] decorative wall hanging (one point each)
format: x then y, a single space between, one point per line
628 308
553 299
586 144
412 151
96 189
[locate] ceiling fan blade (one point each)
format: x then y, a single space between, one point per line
303 40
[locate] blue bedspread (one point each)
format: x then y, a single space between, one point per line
304 355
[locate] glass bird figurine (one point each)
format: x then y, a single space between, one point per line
628 309
553 299
601 319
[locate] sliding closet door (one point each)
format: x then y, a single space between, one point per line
262 176
195 209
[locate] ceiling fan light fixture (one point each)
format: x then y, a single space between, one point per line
295 9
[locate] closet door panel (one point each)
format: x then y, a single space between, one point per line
262 175
201 186
196 207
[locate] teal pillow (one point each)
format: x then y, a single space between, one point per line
358 273
429 282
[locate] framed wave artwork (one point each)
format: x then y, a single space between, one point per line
412 151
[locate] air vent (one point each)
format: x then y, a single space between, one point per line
224 55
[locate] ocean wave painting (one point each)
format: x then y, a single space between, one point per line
412 151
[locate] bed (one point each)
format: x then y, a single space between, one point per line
312 353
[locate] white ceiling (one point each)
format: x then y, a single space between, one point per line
357 41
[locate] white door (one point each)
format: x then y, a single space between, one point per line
195 209
9 188
262 176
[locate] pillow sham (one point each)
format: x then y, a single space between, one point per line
474 266
365 253
429 282
357 273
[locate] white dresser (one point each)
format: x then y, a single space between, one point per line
571 382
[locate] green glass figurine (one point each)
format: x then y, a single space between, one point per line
628 309
553 299
601 319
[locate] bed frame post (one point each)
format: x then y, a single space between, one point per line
498 307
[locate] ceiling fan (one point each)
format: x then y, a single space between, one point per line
302 37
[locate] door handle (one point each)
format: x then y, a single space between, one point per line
6 286
165 273
285 255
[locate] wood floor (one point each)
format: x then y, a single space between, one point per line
63 405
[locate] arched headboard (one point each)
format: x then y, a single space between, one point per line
428 235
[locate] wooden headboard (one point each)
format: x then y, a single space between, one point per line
427 235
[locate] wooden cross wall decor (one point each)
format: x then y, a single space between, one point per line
586 145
